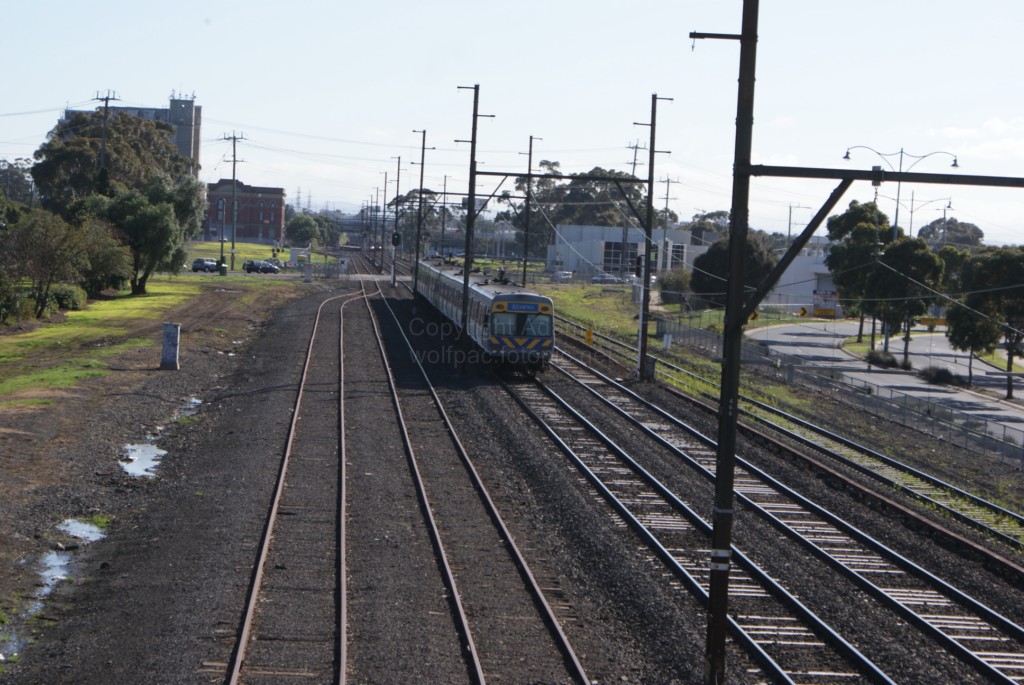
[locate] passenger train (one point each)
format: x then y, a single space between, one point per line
509 324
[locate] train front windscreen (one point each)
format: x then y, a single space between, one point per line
528 324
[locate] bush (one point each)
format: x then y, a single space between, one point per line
67 297
940 375
882 359
674 286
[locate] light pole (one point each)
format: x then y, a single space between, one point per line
419 212
789 230
902 153
394 248
526 209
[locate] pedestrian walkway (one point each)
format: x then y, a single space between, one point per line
821 344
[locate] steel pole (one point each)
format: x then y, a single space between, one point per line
721 545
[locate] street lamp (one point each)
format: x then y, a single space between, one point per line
885 158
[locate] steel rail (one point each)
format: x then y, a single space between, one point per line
757 584
548 613
239 653
964 506
462 620
1009 530
999 660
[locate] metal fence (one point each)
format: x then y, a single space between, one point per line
957 428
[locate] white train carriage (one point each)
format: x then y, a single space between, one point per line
507 323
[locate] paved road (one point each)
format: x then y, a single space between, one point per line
821 343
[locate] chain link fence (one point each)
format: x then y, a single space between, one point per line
957 428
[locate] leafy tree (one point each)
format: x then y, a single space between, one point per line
146 190
67 165
971 332
153 223
711 269
708 227
674 285
109 262
580 201
942 232
994 280
45 250
856 238
900 289
302 229
15 181
953 261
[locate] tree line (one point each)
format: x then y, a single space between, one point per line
106 203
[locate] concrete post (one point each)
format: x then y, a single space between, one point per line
169 358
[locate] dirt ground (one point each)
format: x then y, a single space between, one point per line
62 459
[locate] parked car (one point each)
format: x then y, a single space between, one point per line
561 277
605 278
206 264
259 266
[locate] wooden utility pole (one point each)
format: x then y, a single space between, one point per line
234 138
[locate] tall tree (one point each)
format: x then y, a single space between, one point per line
302 229
15 180
971 331
949 231
856 238
708 227
902 288
67 165
154 222
995 281
146 190
711 269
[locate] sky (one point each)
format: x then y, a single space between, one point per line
329 94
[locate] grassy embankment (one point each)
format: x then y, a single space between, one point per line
609 310
61 354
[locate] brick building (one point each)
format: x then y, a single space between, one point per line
260 213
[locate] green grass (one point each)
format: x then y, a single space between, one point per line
604 309
99 520
60 355
243 252
999 361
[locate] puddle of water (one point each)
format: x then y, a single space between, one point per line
141 459
83 530
191 408
54 569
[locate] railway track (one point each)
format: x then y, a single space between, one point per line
790 642
992 644
489 578
293 625
461 606
991 519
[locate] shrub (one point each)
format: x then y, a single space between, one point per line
67 297
882 359
940 375
674 286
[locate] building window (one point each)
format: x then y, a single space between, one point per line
220 210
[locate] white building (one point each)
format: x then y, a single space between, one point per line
590 250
